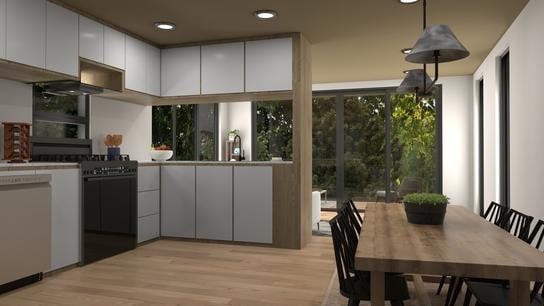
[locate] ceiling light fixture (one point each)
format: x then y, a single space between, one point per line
438 44
164 25
408 1
406 50
265 14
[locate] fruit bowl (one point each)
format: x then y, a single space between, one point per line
161 155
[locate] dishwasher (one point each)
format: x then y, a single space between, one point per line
25 229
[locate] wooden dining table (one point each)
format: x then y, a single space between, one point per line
466 245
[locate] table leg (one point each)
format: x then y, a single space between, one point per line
377 288
519 293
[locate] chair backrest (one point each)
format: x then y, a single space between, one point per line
409 185
355 218
517 224
537 236
341 254
495 213
355 211
348 228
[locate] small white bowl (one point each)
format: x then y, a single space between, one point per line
161 155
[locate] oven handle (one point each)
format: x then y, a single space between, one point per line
108 178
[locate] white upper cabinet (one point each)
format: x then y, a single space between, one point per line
269 64
25 32
2 28
153 70
180 71
223 68
135 70
91 39
62 40
114 48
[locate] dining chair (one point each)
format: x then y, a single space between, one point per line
495 213
494 294
354 215
356 286
355 210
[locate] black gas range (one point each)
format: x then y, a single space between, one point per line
110 202
78 158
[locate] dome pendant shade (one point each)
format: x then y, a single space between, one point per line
413 82
437 39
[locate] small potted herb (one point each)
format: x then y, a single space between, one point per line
425 208
232 134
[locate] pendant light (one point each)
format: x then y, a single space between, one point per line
414 81
437 45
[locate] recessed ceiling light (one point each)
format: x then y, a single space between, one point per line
406 50
265 14
163 25
408 1
406 71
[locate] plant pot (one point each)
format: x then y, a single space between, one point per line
431 214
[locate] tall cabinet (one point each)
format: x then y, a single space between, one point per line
62 40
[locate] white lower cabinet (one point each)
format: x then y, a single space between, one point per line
148 228
178 201
65 214
253 204
214 202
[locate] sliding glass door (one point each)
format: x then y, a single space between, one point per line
376 146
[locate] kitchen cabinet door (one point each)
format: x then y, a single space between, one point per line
25 32
62 47
214 202
2 28
253 204
65 214
135 69
114 48
269 65
153 70
149 178
148 228
91 39
148 203
180 71
223 68
178 200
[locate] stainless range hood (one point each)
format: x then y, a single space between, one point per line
69 88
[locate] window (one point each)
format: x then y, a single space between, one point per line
59 117
376 145
180 126
273 123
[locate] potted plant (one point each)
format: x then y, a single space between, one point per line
232 134
425 208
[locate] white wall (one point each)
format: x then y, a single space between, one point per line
456 132
524 41
232 116
15 105
133 121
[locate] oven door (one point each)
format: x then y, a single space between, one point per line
109 216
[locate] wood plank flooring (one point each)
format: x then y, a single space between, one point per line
168 272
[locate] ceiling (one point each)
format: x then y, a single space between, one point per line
352 40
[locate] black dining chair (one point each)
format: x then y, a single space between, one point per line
356 286
494 294
495 214
355 210
514 222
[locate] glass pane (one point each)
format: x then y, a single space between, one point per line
206 131
162 126
274 121
324 147
413 145
65 105
185 132
364 146
58 130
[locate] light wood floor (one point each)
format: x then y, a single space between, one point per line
170 272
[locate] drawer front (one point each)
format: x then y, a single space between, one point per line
148 203
149 178
148 228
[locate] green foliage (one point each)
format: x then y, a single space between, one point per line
426 198
162 129
274 129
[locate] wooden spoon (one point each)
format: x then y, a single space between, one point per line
109 141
